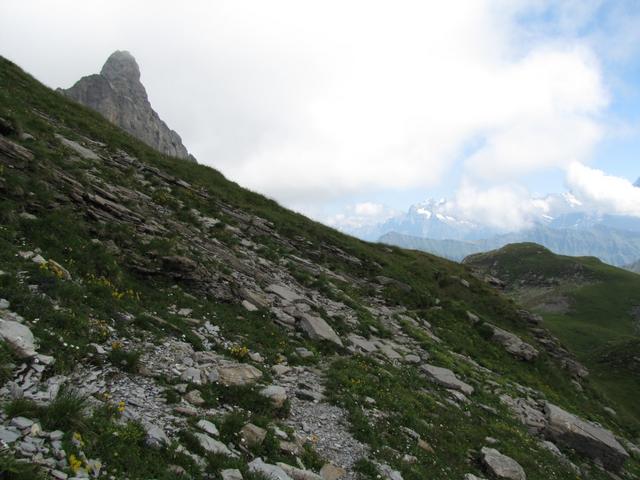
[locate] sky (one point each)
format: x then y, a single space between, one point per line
351 111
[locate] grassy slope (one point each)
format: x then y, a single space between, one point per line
65 235
598 323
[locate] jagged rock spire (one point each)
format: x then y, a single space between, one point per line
117 93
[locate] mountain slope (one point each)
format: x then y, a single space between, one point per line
206 328
117 93
592 307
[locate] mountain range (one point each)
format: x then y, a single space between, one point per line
564 226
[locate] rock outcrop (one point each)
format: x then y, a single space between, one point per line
117 93
501 466
584 437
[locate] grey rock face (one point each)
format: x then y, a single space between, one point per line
318 329
446 378
273 472
584 437
501 466
117 93
513 344
18 337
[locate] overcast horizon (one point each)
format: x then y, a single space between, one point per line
351 112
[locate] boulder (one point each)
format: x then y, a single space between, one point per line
212 446
591 440
253 435
18 337
284 292
231 474
501 466
446 378
208 427
318 329
238 374
527 411
298 473
276 393
273 472
330 472
156 438
513 344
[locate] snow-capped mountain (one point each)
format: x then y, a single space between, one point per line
560 222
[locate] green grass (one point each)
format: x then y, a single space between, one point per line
65 412
598 322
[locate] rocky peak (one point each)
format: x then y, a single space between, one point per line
637 184
121 65
117 93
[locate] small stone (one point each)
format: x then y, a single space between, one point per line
303 352
4 304
208 427
58 475
231 474
194 397
275 393
156 437
330 472
192 375
238 375
272 472
250 307
425 446
39 259
280 369
21 422
212 446
8 436
186 411
253 435
501 466
56 435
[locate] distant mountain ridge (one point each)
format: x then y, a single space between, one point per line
615 247
117 93
562 224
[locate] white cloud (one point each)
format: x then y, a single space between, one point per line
308 101
602 192
505 207
360 215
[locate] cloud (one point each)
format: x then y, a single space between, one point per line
361 215
505 207
602 192
311 101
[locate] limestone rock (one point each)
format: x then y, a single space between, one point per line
513 344
501 466
272 472
318 329
238 374
117 93
253 435
330 472
446 378
276 393
156 437
18 337
584 437
208 427
213 446
231 474
298 473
